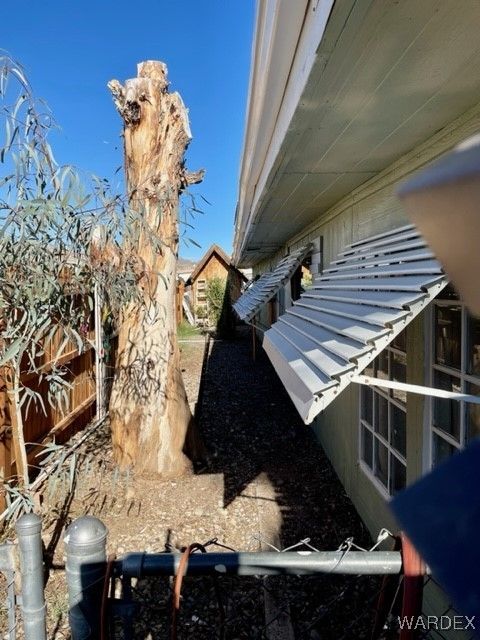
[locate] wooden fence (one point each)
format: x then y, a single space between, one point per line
180 292
89 375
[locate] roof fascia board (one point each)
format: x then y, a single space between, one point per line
262 153
214 249
277 32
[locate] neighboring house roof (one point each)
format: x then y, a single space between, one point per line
220 253
366 297
185 268
269 283
184 264
339 91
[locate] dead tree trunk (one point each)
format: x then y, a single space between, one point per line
149 413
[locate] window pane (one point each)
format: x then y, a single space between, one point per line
367 447
399 430
473 346
448 332
381 462
399 373
381 415
400 342
446 413
473 414
366 408
441 449
398 479
381 365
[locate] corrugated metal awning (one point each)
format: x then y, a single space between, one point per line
264 289
352 311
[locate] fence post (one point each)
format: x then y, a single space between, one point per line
85 546
29 533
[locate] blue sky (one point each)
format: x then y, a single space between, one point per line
71 49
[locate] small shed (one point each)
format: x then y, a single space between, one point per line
214 264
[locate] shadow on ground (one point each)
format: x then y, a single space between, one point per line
251 427
255 436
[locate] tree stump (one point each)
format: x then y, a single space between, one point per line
149 412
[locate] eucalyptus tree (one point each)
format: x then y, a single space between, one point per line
59 239
149 413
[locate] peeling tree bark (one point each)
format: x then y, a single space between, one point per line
149 412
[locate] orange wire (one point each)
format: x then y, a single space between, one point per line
177 584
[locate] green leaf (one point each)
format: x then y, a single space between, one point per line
12 351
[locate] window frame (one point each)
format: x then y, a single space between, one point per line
386 394
201 292
464 377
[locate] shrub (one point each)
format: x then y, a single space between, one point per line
215 293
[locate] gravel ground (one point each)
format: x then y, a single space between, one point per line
267 482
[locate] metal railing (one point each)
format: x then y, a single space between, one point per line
232 584
299 592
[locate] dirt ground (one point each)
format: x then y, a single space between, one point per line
267 482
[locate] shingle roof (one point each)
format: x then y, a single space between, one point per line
206 257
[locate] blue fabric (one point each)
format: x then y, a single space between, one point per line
441 515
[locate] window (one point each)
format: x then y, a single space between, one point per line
383 421
272 310
201 291
455 367
281 301
302 279
296 284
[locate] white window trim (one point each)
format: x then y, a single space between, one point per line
464 378
381 488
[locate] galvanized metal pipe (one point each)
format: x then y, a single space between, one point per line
7 567
29 534
85 546
247 564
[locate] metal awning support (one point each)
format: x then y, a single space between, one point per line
415 388
258 326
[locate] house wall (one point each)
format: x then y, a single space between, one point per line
371 209
236 281
368 210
